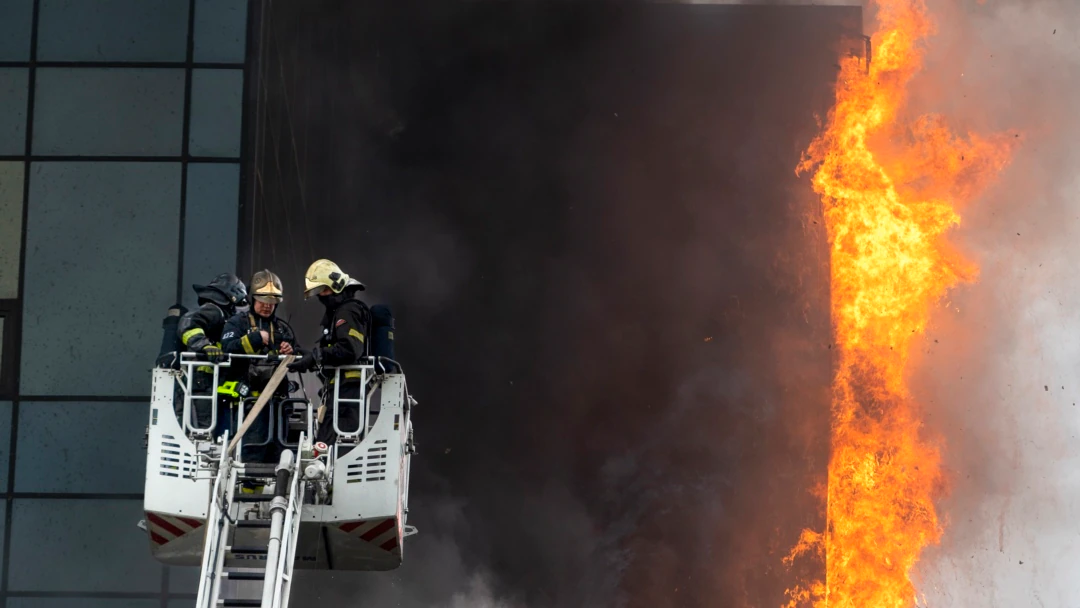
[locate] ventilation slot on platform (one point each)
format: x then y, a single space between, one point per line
355 472
376 467
174 462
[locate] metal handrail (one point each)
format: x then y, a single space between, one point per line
189 393
282 427
189 360
362 402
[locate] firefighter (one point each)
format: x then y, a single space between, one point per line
344 342
200 331
258 332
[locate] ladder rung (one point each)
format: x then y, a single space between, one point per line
241 603
248 550
259 469
253 498
253 523
245 576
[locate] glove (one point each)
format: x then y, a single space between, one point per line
213 353
305 363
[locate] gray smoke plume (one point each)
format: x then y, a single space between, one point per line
998 369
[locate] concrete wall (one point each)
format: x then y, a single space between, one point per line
120 145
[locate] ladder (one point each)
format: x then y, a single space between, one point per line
224 584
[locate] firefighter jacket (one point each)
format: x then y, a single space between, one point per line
241 336
344 337
201 327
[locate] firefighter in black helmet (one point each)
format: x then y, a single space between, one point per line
259 332
344 342
200 330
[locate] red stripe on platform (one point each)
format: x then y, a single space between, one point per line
194 523
352 525
157 538
391 544
167 526
378 530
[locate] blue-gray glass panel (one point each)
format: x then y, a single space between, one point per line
102 241
11 205
80 602
109 112
5 442
183 580
80 545
216 103
220 31
13 91
63 460
113 30
15 24
213 192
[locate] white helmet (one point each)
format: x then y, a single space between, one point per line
324 273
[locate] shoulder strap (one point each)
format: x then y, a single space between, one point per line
255 325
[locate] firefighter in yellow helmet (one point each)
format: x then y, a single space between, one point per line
344 342
258 331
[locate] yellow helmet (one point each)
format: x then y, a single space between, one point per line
266 287
324 273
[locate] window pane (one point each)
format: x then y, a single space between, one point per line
11 206
15 18
183 579
79 602
109 111
80 545
5 441
65 461
216 102
112 30
13 87
106 235
220 31
213 194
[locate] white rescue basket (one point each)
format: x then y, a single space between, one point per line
354 498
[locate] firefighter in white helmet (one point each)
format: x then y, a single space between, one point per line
344 342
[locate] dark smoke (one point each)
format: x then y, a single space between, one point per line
610 286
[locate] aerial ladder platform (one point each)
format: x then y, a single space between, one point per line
250 525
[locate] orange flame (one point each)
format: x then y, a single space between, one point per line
889 192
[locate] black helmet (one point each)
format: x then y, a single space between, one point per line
225 290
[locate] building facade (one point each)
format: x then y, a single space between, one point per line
120 183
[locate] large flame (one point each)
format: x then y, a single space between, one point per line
890 191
